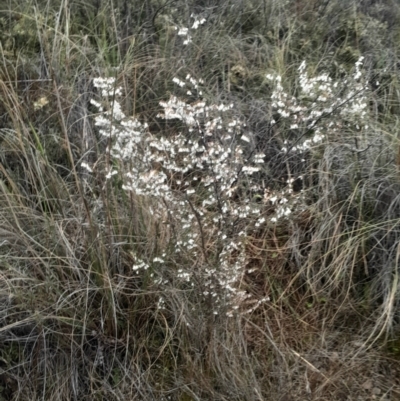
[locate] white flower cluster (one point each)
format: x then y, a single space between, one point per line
185 32
191 177
285 201
318 99
107 86
322 110
197 21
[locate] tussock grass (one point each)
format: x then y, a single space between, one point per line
107 290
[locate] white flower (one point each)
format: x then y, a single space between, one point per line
183 31
87 167
178 82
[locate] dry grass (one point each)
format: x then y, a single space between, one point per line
78 323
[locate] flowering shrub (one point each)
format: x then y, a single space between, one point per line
193 177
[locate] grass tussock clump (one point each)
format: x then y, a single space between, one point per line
199 205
